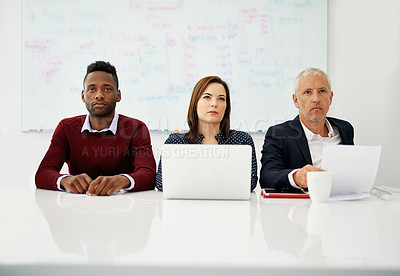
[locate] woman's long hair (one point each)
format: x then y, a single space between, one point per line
192 118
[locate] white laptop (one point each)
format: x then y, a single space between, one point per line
353 168
206 171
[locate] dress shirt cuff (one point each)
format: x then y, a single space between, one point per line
59 182
131 180
291 180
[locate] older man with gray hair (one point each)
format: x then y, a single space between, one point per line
293 148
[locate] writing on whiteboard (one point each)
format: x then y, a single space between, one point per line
162 48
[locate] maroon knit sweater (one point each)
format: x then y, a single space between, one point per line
127 152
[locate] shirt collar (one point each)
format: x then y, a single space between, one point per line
219 137
309 134
112 127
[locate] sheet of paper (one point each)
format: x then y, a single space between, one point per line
349 197
389 189
353 168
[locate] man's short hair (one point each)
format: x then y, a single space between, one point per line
103 67
306 72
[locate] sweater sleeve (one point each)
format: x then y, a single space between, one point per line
49 169
143 160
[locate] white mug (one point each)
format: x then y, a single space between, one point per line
319 185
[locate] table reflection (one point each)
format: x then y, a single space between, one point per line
347 229
100 228
323 231
284 224
207 230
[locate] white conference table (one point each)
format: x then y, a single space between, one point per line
57 233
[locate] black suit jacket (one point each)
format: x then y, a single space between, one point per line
286 148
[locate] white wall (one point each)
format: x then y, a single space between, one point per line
363 62
364 66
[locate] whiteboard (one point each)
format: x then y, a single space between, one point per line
162 48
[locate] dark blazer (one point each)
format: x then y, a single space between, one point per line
286 148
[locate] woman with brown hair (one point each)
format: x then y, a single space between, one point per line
209 122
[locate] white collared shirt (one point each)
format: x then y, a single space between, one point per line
316 144
113 128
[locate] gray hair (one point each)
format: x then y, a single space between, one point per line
306 72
